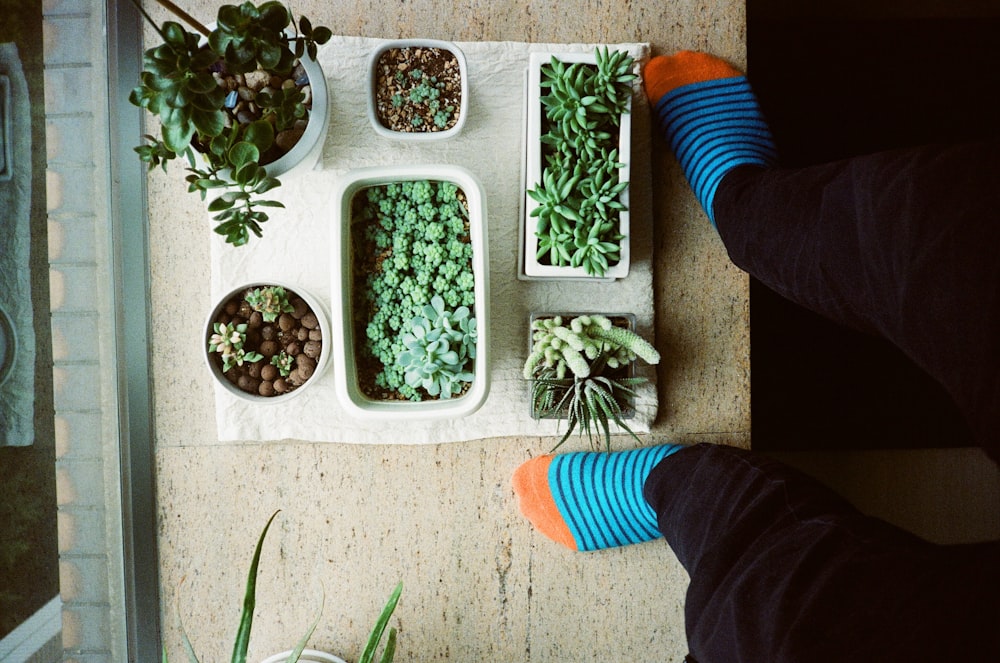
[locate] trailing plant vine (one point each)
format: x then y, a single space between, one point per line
579 195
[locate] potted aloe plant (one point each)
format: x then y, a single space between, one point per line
410 334
581 369
576 221
243 102
299 653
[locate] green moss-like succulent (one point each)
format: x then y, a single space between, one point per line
412 245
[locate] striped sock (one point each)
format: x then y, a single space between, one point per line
710 118
590 500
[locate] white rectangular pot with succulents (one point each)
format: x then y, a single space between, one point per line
577 163
411 330
418 89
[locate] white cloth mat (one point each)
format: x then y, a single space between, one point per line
295 249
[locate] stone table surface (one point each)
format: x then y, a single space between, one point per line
479 584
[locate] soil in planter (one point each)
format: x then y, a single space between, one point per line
401 259
418 90
243 104
297 333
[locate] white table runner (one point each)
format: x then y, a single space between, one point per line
295 249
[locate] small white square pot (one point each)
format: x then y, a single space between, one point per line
531 267
463 111
318 308
308 656
349 394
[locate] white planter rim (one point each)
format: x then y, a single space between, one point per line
321 363
531 268
463 110
308 656
350 396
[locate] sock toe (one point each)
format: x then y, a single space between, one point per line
668 72
531 485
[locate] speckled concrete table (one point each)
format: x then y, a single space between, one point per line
480 585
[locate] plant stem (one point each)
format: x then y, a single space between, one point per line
184 16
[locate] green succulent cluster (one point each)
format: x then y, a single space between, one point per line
411 242
283 362
178 87
571 367
440 346
579 196
228 341
424 90
578 343
270 302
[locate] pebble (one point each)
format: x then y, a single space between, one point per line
287 139
231 99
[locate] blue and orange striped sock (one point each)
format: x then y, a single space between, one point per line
590 500
710 118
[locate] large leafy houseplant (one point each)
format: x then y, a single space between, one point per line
576 366
242 642
185 83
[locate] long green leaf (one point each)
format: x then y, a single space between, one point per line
249 601
304 640
368 655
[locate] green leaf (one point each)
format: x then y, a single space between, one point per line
321 35
177 137
173 33
260 134
243 153
368 655
220 204
208 123
249 601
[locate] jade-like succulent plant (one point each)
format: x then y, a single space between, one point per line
270 302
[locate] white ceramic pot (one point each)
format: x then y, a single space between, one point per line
349 394
321 362
306 152
308 656
463 112
531 267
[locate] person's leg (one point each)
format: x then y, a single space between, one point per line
781 568
900 244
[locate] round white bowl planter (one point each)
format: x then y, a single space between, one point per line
308 656
305 153
322 361
349 394
463 110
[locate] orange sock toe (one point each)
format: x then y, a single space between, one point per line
531 485
665 73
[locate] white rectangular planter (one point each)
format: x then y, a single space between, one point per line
531 268
349 393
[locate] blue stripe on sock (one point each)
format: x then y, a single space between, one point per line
713 127
599 495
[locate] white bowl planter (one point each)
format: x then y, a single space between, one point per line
308 656
373 115
318 309
349 393
531 267
305 153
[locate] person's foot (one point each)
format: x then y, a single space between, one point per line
710 118
590 500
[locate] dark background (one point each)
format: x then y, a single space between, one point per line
838 84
